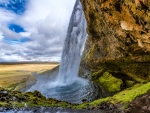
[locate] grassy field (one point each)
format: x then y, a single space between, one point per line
17 73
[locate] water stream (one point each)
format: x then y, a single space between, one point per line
67 86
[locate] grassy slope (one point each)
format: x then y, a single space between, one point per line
122 98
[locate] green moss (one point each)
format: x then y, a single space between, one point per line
94 103
129 83
130 93
110 83
30 99
2 104
97 74
1 89
125 106
123 97
138 79
89 55
130 69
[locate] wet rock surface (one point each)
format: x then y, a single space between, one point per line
106 108
50 110
103 108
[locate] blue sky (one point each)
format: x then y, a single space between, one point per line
16 28
33 30
16 6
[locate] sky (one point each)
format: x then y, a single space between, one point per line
33 30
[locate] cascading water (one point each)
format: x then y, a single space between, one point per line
73 47
67 86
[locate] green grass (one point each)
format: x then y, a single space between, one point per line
123 97
130 93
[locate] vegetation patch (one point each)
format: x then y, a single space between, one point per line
17 99
123 97
110 83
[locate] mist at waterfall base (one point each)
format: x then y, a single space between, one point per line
66 85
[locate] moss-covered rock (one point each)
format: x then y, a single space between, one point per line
17 99
129 83
110 83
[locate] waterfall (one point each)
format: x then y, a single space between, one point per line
66 85
73 46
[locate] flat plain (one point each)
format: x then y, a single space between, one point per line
12 74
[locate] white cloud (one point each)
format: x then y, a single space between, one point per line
6 16
25 34
9 33
1 36
45 23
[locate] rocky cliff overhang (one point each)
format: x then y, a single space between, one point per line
119 37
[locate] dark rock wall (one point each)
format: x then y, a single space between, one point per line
119 37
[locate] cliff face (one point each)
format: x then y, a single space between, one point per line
119 38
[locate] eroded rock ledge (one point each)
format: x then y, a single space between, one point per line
119 38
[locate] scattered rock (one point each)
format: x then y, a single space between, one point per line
126 26
84 100
37 93
3 93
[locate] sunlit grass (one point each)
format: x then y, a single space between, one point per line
15 73
26 67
